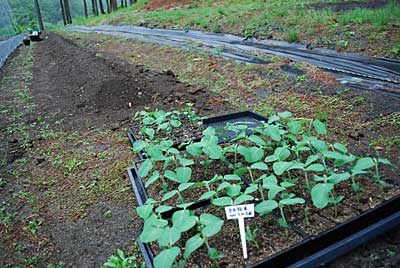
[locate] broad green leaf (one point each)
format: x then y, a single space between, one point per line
222 201
145 168
163 126
152 229
294 127
311 159
266 207
270 180
285 114
282 153
292 201
251 189
144 211
257 140
166 258
364 163
273 190
232 177
139 145
337 178
320 194
273 119
183 174
169 237
175 123
281 167
243 198
251 154
186 162
155 153
259 166
340 147
183 186
149 132
194 149
274 133
165 145
319 145
162 209
148 121
384 161
183 221
207 195
168 195
315 167
152 179
213 151
212 224
233 190
192 244
223 185
319 127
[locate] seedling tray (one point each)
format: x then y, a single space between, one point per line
218 122
327 246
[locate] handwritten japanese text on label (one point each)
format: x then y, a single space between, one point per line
239 211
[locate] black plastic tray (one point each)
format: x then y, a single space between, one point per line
327 246
218 122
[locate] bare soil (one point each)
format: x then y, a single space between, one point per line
166 4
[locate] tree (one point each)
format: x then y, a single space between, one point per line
101 7
67 11
63 12
85 8
39 15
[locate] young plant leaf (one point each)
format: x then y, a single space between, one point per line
320 194
139 145
169 237
145 168
243 198
319 127
212 224
166 258
152 179
183 221
192 244
222 201
168 195
266 206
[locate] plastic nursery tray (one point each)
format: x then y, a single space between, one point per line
317 250
218 122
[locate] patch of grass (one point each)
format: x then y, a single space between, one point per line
262 18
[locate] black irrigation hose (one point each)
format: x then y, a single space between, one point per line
368 73
8 46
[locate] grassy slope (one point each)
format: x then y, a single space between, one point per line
358 30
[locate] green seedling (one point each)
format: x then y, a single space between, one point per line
120 261
323 192
252 236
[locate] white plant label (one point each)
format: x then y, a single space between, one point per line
240 212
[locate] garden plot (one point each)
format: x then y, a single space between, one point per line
306 192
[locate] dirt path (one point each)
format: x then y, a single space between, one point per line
65 198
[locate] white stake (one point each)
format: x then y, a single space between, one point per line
240 212
243 237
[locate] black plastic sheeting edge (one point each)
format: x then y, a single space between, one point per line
329 245
221 119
